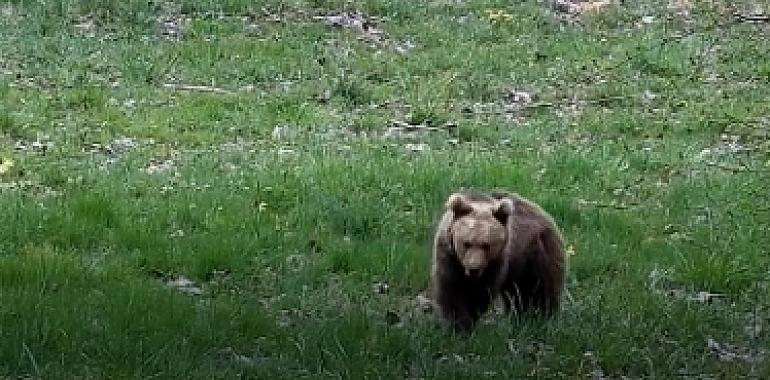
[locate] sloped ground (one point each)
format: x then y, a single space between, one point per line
201 190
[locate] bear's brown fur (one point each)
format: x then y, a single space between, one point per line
495 245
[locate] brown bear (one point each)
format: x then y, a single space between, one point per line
495 245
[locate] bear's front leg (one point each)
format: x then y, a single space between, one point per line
461 304
458 316
450 306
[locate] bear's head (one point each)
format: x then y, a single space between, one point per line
479 230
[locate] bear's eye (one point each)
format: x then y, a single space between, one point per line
467 245
485 247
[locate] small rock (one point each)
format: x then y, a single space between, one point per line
121 145
231 354
159 166
649 95
578 7
181 282
7 10
185 285
729 353
244 360
648 20
598 374
564 6
424 303
86 26
519 97
405 47
356 21
170 24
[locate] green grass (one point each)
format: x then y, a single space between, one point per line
284 203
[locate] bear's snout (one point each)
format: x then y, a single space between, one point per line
473 263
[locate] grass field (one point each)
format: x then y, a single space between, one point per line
221 189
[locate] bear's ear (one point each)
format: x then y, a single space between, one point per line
504 210
459 205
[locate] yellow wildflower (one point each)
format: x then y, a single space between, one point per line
498 15
6 164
